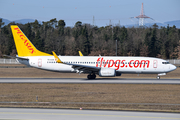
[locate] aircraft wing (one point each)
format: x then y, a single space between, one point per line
84 68
78 68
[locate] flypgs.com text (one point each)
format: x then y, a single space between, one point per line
101 62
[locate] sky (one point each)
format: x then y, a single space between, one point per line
105 12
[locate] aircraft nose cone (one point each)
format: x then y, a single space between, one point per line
173 67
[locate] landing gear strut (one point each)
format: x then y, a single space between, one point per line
91 76
160 74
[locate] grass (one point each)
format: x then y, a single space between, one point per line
93 93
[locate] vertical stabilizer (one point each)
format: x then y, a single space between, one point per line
24 46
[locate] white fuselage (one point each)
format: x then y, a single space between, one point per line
120 64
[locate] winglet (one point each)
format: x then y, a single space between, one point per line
56 58
80 54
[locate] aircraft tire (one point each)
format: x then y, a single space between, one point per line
158 77
91 76
88 76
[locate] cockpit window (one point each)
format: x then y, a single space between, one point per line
165 63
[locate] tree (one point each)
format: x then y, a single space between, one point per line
1 24
38 42
61 23
176 53
123 40
28 31
35 26
86 42
45 26
153 44
156 41
53 22
78 24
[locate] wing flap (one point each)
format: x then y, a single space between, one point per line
84 67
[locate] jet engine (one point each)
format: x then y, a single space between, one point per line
107 72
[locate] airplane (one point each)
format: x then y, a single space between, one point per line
104 66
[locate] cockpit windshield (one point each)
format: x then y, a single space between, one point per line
165 63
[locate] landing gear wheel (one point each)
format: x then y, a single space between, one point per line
158 77
93 76
89 77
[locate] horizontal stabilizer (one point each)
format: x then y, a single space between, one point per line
16 57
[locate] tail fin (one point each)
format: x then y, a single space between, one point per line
23 44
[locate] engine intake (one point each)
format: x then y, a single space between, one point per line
107 72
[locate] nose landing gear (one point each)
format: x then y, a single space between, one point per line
160 74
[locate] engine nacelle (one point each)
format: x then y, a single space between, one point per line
107 72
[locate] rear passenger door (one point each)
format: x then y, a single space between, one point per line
39 62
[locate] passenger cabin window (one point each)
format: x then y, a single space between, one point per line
165 63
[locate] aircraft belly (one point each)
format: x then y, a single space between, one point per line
57 67
25 62
141 71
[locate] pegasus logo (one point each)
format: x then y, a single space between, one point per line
26 42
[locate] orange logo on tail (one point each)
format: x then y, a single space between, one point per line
26 43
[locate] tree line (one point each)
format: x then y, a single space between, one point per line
53 35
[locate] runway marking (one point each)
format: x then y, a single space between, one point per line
88 103
88 115
85 81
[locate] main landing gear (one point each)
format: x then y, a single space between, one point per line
91 76
158 77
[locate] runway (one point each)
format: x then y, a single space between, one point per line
66 114
96 81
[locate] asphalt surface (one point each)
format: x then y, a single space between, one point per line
65 114
96 81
